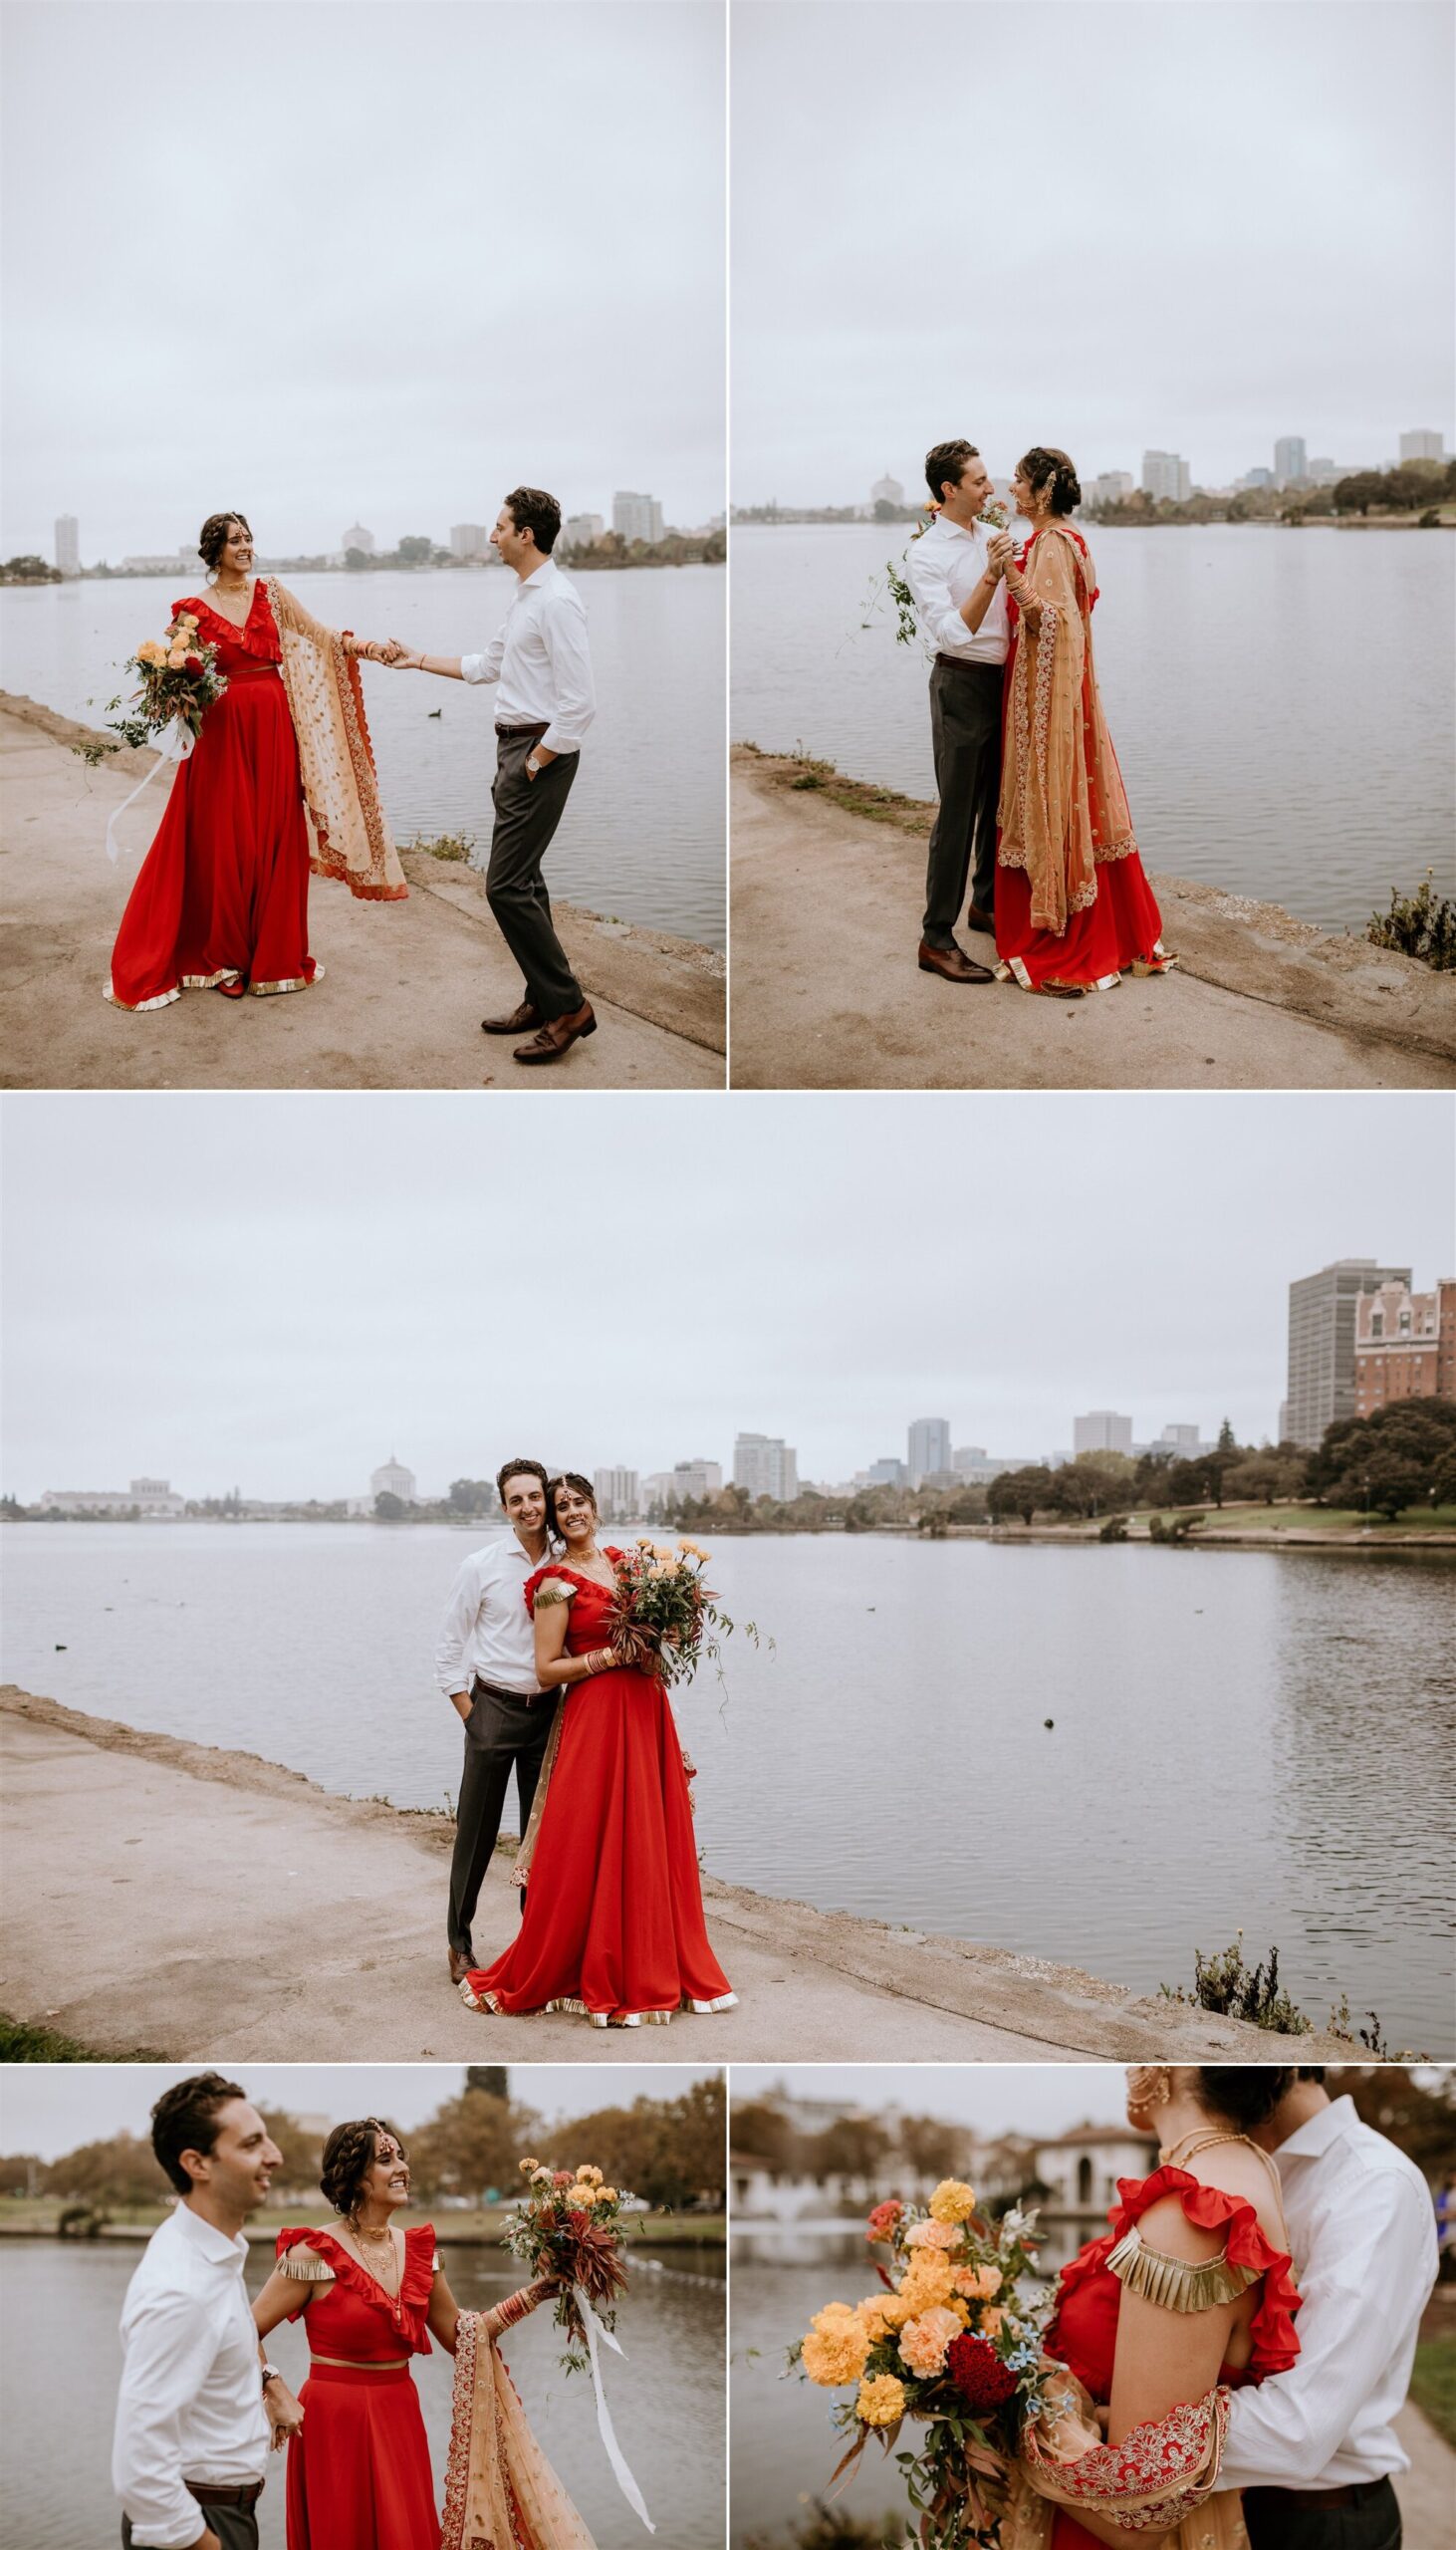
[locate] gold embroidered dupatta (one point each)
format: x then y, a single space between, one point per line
1162 2478
1063 804
351 836
501 2493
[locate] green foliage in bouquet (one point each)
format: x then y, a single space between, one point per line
569 2229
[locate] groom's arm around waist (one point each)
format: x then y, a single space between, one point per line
170 2347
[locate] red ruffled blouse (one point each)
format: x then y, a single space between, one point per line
593 1603
1083 2330
257 638
353 2317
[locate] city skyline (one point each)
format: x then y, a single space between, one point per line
1178 311
306 1322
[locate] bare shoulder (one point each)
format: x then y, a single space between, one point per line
1237 2169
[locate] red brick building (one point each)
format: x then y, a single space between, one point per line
1404 1346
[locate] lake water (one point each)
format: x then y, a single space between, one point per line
783 2447
62 2362
1280 701
1264 1739
644 838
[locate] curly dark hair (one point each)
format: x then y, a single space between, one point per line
184 2119
1043 461
531 509
348 2155
212 538
1246 2097
947 460
520 1469
567 1478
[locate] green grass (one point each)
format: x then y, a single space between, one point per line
1323 1518
25 2041
1433 2384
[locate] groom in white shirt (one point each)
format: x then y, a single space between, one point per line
199 2408
485 1664
544 705
1315 2448
960 602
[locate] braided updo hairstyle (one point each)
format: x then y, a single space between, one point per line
212 538
1244 2099
1043 461
349 2157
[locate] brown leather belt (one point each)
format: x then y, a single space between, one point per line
1353 2493
963 664
524 730
207 2496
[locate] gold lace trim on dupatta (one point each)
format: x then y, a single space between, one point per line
352 838
1177 2284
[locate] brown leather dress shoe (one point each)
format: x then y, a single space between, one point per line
978 919
461 1961
558 1036
952 965
515 1025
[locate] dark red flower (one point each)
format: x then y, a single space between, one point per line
978 2372
194 664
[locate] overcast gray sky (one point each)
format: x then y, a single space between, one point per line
342 260
49 2109
279 1290
1186 224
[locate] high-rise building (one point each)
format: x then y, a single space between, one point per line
580 530
1185 1440
927 1449
617 1495
67 544
1404 1346
467 539
697 1478
1166 473
1322 1323
1420 446
636 517
393 1479
1255 478
888 1473
1321 471
1111 487
1102 1431
764 1466
358 538
1291 463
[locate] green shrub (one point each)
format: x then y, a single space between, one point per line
1422 925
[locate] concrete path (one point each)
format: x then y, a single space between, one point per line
1427 2491
405 984
825 992
209 1906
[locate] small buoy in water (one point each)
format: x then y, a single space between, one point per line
1049 1722
59 1649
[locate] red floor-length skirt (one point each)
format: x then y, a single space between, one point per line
614 1923
1123 928
358 2474
223 893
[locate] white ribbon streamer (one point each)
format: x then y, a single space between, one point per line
614 2456
177 741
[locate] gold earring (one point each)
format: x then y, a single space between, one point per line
1150 2087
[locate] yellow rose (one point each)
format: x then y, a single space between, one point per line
953 2202
836 2348
881 2400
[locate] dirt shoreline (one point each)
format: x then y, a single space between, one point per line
265 1920
827 883
404 991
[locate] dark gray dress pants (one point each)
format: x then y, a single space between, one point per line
235 2526
502 1734
527 812
965 733
1366 2519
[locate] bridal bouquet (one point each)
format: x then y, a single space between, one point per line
569 2227
954 2339
180 683
665 1619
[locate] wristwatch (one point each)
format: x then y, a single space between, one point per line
532 765
271 2374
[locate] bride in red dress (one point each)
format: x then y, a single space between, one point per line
359 2468
1073 910
282 779
1191 2291
613 1927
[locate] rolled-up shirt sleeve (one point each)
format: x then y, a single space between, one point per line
564 634
1285 2432
461 1613
170 2346
928 576
486 668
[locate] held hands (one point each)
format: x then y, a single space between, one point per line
285 2414
1000 549
394 652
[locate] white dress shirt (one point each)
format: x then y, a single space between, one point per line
1363 2237
190 2406
487 1629
942 568
542 660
